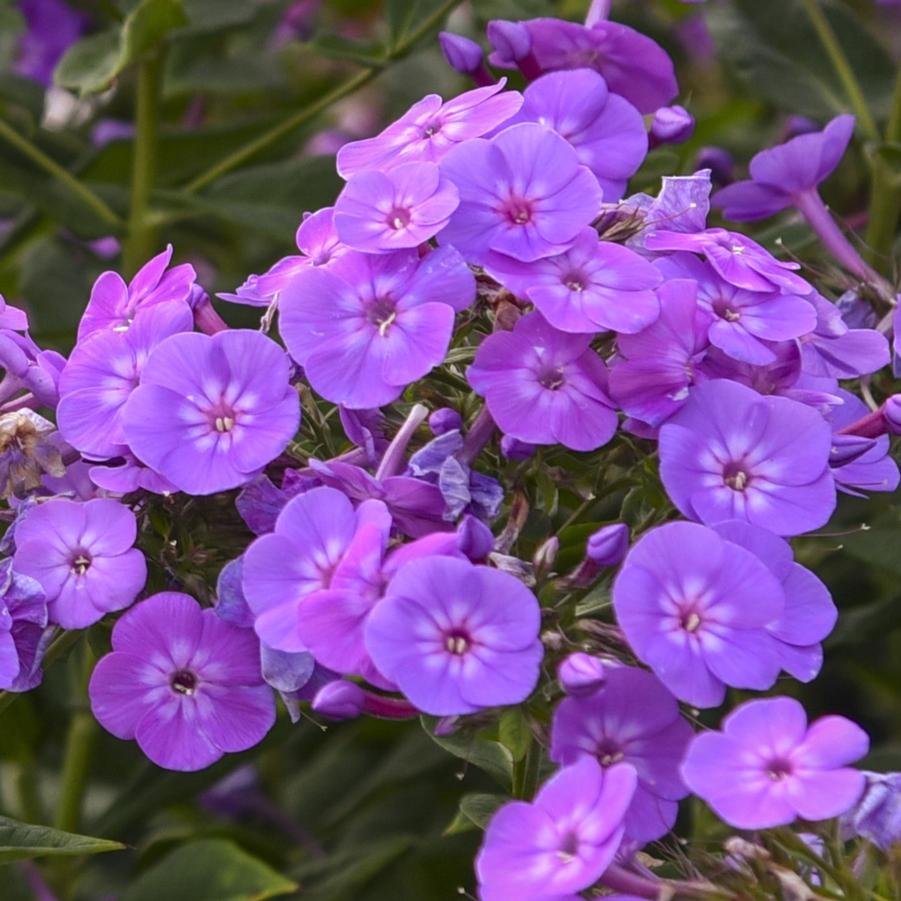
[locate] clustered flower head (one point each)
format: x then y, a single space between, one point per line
484 270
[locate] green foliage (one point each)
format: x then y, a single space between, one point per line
23 841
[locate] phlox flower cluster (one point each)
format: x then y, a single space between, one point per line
487 242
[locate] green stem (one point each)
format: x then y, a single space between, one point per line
49 165
294 121
885 191
842 68
526 773
139 243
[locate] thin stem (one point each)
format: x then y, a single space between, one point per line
294 121
49 165
885 190
477 437
139 242
842 68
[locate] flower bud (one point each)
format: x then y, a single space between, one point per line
671 125
444 420
474 538
511 41
545 556
891 411
847 448
462 54
608 545
720 163
581 674
877 815
514 449
339 700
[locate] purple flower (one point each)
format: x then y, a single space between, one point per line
779 175
23 618
102 372
523 194
372 324
430 128
130 475
594 286
731 454
809 614
835 350
82 554
634 66
28 368
113 304
511 42
30 450
12 318
445 419
606 131
378 212
455 637
695 608
544 387
562 841
608 545
581 674
671 125
465 56
877 815
681 206
51 27
719 161
631 719
767 767
742 321
182 683
318 244
210 412
736 258
656 368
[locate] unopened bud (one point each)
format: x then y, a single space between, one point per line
514 449
671 125
339 700
462 54
608 545
581 674
891 410
474 538
444 420
511 42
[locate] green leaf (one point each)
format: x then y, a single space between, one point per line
209 870
475 812
490 756
514 732
337 47
90 65
22 841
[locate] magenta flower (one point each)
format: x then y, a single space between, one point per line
83 556
742 321
606 131
113 304
318 244
372 324
378 212
781 174
431 128
210 412
767 767
23 618
633 65
656 368
182 683
561 842
455 637
809 614
523 194
731 454
695 608
12 317
594 286
544 387
102 372
631 719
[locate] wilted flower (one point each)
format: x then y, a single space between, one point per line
30 448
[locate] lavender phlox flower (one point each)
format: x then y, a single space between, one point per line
23 618
524 193
671 125
83 556
736 258
366 429
594 286
514 449
373 323
30 449
656 368
781 174
731 454
455 637
12 318
128 475
695 608
561 842
430 129
581 674
113 304
212 411
681 205
743 322
544 386
260 501
633 65
606 131
767 766
51 27
182 683
631 718
877 815
28 369
103 370
465 56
